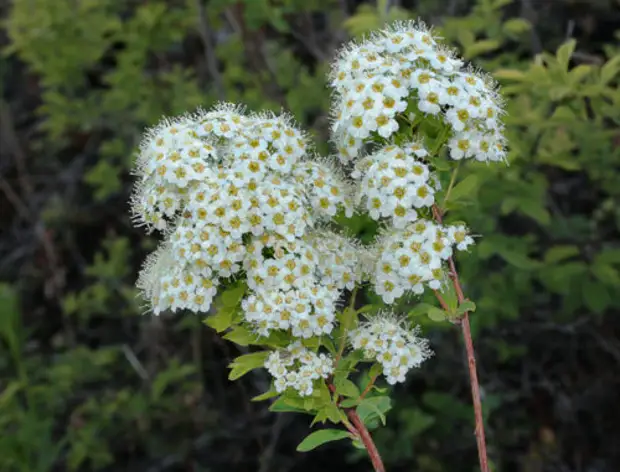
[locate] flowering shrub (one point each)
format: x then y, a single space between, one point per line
247 209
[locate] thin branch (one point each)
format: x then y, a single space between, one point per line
471 359
366 439
359 429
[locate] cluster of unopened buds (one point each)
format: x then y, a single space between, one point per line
242 195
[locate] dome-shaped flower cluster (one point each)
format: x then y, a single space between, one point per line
394 181
169 285
383 83
242 195
216 181
297 367
391 343
407 259
295 285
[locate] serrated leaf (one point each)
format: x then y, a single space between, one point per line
328 412
318 438
222 320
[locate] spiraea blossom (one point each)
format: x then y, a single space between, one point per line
407 259
394 182
214 182
392 343
241 196
401 75
298 368
296 285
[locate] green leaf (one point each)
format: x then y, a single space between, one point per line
516 26
321 437
609 255
577 74
374 407
349 402
510 74
222 320
605 273
265 396
596 296
286 404
244 364
466 306
610 70
345 387
231 297
560 253
565 52
329 412
311 343
481 47
534 209
241 336
518 259
465 188
375 370
436 314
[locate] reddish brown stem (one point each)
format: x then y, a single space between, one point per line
475 393
363 434
471 358
375 457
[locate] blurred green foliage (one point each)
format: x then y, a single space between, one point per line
87 383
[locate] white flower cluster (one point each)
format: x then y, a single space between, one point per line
394 181
295 285
338 259
409 258
296 367
391 343
399 73
214 181
326 187
168 285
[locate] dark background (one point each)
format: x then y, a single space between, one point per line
88 383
